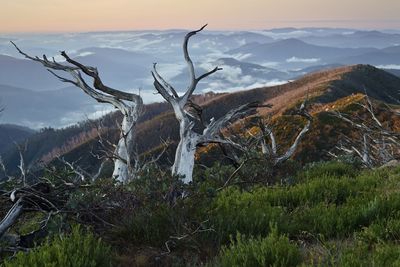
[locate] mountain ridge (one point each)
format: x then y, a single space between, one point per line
322 88
285 49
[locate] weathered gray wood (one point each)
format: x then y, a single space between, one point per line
129 104
11 216
270 151
189 140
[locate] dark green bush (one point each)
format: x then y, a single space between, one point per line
340 215
331 168
147 226
332 220
274 250
161 211
245 212
381 231
362 255
326 189
79 249
332 206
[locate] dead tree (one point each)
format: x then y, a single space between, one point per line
189 139
45 198
270 149
22 196
377 143
129 104
49 197
22 148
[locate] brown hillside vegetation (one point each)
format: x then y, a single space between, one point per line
323 87
329 85
327 129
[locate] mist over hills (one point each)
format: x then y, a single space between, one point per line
295 51
41 109
35 98
356 39
381 58
26 74
121 68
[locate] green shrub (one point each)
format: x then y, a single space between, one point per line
78 249
386 255
329 220
331 168
274 250
341 221
329 206
326 189
381 231
245 212
151 226
362 255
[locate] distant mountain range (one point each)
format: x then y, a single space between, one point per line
26 74
284 49
383 57
118 68
249 59
356 39
292 53
40 109
235 75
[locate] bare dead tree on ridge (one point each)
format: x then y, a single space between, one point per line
129 104
189 139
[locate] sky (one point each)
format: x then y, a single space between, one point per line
105 15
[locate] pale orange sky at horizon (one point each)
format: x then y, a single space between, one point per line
106 15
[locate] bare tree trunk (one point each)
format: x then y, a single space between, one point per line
186 149
125 151
184 155
11 217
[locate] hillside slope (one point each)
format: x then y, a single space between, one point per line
10 133
322 88
330 85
